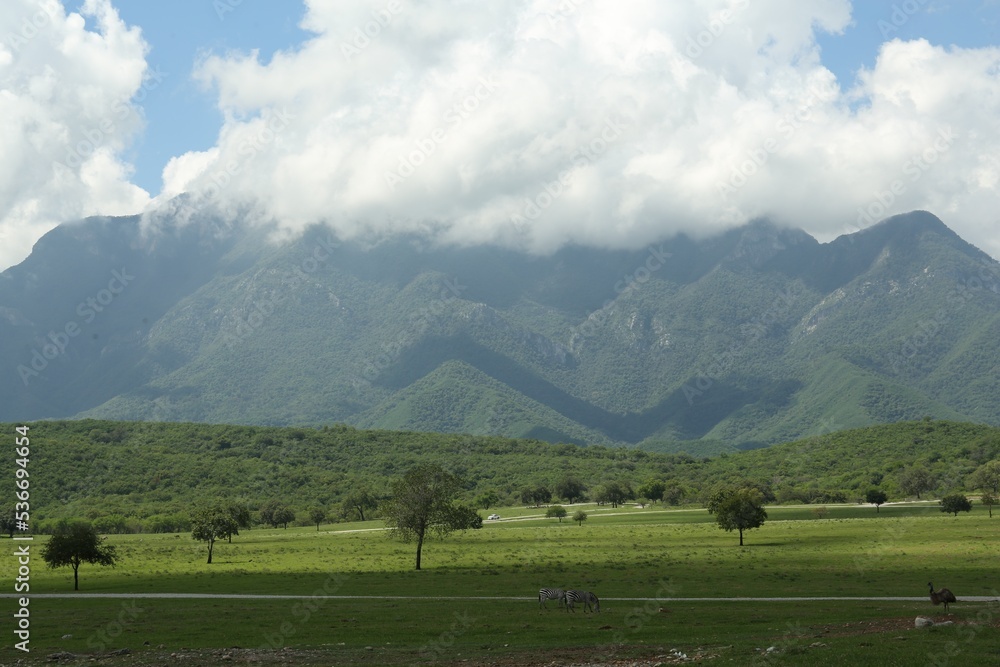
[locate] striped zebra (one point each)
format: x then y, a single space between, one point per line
586 597
551 594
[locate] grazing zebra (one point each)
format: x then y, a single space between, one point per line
586 597
551 594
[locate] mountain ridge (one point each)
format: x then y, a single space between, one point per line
720 339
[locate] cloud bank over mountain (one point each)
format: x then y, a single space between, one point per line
535 123
70 99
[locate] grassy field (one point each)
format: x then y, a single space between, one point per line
624 553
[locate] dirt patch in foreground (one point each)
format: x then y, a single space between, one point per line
581 657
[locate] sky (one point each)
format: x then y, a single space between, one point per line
528 123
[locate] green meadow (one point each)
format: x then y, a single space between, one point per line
617 553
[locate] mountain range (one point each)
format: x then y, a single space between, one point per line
758 335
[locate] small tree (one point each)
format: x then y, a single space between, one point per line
580 516
956 503
316 515
423 502
209 524
284 516
989 500
738 509
876 497
674 495
240 515
571 490
8 521
74 543
357 503
557 511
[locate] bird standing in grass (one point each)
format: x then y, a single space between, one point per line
942 596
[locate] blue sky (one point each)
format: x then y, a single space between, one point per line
181 115
531 123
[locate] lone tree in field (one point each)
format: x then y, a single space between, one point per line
240 514
738 509
74 543
987 477
876 497
956 503
580 516
209 524
557 511
989 500
316 515
423 502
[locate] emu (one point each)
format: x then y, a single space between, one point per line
942 596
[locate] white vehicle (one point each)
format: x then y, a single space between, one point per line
493 517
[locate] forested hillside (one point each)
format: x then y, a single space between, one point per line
151 474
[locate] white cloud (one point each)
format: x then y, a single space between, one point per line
484 121
64 98
539 122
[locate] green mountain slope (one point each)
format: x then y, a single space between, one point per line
758 335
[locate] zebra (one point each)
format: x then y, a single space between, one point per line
586 597
551 594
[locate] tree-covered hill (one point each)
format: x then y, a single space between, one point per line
154 473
